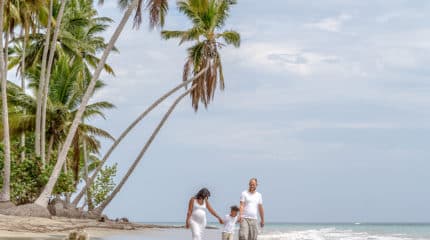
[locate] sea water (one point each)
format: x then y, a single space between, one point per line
295 231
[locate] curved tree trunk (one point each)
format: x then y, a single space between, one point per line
127 130
42 200
106 202
88 192
46 83
5 192
39 98
76 159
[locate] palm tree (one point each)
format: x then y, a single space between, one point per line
42 80
134 5
208 16
64 97
5 193
78 37
45 83
205 27
27 13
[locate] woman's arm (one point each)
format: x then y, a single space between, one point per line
189 212
212 211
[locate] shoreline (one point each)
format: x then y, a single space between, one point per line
34 227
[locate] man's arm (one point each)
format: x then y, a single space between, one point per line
242 206
261 210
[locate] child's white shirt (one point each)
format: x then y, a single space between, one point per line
229 223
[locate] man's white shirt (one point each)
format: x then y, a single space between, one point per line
251 202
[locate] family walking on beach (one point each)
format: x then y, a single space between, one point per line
251 204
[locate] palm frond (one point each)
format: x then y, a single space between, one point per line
157 12
230 37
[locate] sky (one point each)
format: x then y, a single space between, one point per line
326 103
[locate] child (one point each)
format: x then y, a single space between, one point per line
229 223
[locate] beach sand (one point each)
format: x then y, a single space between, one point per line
112 234
14 227
162 234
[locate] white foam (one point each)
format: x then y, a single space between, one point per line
328 234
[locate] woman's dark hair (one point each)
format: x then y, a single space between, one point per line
203 194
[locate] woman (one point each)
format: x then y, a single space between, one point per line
196 215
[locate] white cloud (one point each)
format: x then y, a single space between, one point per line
332 24
281 57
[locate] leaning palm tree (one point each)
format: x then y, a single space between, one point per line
204 72
208 17
134 5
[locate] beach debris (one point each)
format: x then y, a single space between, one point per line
122 220
79 235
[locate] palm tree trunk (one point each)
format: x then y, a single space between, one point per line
89 197
5 192
50 146
65 170
41 83
22 142
76 159
106 202
46 83
128 129
42 200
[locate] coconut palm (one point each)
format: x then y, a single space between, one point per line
78 37
5 193
134 5
42 80
64 97
211 15
208 17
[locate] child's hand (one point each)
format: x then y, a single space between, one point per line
220 221
239 219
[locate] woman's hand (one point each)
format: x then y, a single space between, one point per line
220 220
187 224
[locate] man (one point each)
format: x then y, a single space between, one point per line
251 203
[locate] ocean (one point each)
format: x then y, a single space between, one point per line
295 231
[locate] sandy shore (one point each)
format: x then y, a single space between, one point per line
55 228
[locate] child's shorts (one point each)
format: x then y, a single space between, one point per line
227 236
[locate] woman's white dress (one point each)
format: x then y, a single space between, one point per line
198 220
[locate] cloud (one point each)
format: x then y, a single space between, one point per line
281 57
288 58
332 24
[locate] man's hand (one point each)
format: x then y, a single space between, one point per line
262 223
